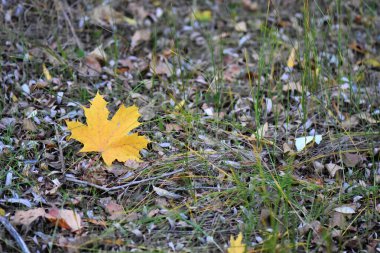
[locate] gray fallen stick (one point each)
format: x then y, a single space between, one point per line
77 181
8 226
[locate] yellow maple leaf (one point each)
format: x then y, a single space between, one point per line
109 137
235 245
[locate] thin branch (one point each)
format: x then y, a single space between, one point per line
8 226
77 181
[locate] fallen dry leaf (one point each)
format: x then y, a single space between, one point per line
236 245
140 36
301 142
350 122
27 217
293 86
338 220
105 15
91 67
332 168
115 210
250 5
287 149
109 137
345 210
161 68
241 26
367 117
351 160
99 53
164 193
67 219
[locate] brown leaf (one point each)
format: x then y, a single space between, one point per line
105 15
232 72
140 36
29 125
315 226
99 54
338 220
351 160
250 5
115 210
26 218
67 219
287 149
351 122
161 68
91 67
367 117
172 127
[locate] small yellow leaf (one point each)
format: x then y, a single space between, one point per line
235 245
371 62
292 58
179 106
109 137
46 72
203 16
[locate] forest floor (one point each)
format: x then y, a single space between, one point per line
263 119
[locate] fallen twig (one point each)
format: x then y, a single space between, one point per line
8 226
77 181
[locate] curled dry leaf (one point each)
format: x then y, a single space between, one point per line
67 219
332 168
301 142
345 210
99 53
164 193
46 73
